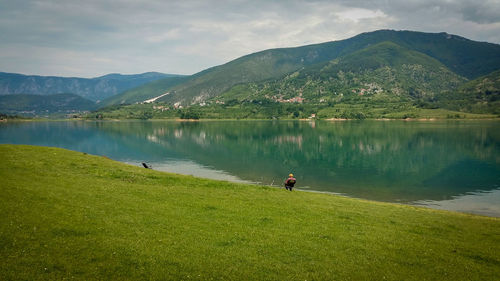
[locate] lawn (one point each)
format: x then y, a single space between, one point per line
70 215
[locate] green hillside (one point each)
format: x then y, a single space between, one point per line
383 72
38 104
212 82
478 96
487 85
69 215
464 57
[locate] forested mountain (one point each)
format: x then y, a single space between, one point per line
437 62
95 89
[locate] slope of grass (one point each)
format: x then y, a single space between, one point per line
71 215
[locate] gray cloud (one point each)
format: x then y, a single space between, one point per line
485 11
482 12
94 37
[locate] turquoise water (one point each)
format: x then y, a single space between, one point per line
452 165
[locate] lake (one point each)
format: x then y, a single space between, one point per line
452 165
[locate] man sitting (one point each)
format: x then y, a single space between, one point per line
290 182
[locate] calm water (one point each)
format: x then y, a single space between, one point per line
452 165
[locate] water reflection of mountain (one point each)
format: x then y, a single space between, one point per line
371 159
117 140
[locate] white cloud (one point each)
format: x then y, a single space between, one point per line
358 14
158 37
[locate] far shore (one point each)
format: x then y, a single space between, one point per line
430 119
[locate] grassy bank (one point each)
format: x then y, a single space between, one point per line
71 215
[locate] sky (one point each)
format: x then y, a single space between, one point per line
90 38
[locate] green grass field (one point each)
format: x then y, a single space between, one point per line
69 215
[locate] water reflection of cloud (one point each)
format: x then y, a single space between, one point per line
187 167
479 202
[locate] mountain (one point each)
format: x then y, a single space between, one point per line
464 57
38 104
380 72
95 89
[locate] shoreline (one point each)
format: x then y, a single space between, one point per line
249 119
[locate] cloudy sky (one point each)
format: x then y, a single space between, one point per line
89 38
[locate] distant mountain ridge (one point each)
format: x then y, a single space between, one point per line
95 89
465 58
145 92
32 105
